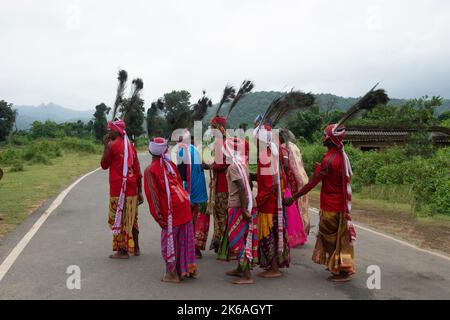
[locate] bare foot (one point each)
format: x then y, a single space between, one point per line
339 278
234 273
119 255
270 274
243 280
170 278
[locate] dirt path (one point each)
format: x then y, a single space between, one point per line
426 234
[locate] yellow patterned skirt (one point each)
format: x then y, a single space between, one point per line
333 247
124 240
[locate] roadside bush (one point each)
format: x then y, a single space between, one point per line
18 140
9 156
17 166
390 174
41 152
311 154
79 145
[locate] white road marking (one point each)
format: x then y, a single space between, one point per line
14 254
395 239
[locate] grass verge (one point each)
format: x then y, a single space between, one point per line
23 192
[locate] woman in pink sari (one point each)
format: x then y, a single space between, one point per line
297 214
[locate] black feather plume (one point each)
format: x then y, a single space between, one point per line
246 87
370 100
138 85
122 77
228 93
287 103
201 108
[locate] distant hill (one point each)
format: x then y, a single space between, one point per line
257 102
246 111
28 114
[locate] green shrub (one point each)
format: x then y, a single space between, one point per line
79 145
17 166
18 140
311 155
390 174
9 156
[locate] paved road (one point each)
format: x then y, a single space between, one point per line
76 233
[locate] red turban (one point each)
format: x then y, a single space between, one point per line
335 135
218 120
117 126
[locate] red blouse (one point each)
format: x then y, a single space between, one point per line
329 171
113 160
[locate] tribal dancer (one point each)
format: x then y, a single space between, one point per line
193 176
296 178
274 250
334 245
242 227
125 181
169 205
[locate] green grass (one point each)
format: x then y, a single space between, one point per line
22 192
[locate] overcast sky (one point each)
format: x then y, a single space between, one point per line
69 51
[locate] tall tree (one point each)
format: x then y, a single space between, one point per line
100 122
132 110
155 123
7 119
177 110
134 118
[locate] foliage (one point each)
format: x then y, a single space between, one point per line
155 122
393 175
134 119
306 124
100 122
177 110
7 119
17 166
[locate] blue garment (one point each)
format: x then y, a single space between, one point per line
198 182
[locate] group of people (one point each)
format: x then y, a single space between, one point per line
253 230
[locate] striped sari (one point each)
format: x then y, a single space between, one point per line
242 245
184 243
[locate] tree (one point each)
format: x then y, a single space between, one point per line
155 123
100 122
47 129
177 110
306 124
134 119
7 119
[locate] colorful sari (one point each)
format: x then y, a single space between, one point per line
268 242
220 222
296 232
297 178
242 245
334 248
183 236
123 240
200 221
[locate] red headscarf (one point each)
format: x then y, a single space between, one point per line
219 121
119 127
335 135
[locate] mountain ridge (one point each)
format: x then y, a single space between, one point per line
245 112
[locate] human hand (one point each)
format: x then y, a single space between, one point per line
288 201
246 215
140 199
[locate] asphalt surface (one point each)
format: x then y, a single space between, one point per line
76 233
